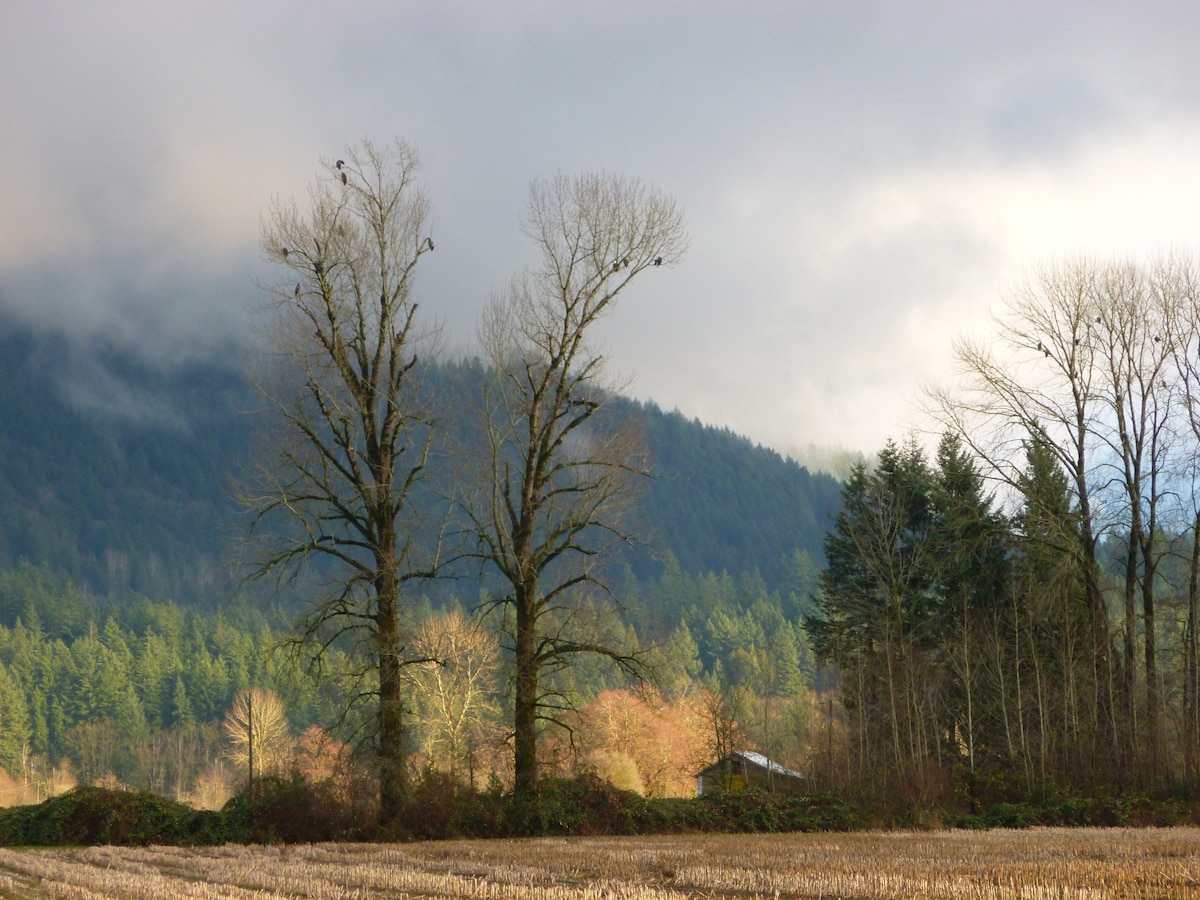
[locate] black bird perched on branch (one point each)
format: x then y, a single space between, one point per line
285 251
429 241
296 293
616 265
343 178
340 163
658 260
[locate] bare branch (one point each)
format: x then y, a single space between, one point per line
333 494
557 476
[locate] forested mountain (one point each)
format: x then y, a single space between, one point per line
120 605
721 503
1047 650
118 473
114 472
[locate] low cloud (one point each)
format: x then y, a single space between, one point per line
862 180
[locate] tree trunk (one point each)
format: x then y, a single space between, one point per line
525 767
1191 688
392 781
1151 657
1104 747
1129 656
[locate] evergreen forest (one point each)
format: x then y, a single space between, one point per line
1004 618
127 630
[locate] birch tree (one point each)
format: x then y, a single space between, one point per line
454 691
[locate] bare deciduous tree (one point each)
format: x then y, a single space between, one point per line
453 691
1132 334
96 747
1179 278
1091 363
557 475
256 728
333 497
1038 380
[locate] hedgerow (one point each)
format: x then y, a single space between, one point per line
290 810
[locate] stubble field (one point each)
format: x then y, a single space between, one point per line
1027 864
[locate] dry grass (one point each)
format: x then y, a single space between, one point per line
1058 863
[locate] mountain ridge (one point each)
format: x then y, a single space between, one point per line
118 471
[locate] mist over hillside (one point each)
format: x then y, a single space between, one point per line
116 471
119 472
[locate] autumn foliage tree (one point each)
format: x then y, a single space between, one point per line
641 742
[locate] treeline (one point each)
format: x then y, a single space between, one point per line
135 692
1046 646
131 691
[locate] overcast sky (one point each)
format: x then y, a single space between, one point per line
863 181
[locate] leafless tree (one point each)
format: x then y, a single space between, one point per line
96 748
557 475
1177 285
256 728
454 690
723 708
333 494
1133 332
1037 378
1095 360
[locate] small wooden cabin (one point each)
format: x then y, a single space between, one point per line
744 769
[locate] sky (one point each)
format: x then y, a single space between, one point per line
863 181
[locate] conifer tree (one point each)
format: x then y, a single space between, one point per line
15 729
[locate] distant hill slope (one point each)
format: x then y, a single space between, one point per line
117 473
721 503
114 472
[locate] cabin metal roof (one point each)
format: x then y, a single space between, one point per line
754 758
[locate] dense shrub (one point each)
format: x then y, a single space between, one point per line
1130 811
93 815
585 805
438 807
1010 815
290 810
984 789
759 811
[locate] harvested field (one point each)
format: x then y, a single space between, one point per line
1027 864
